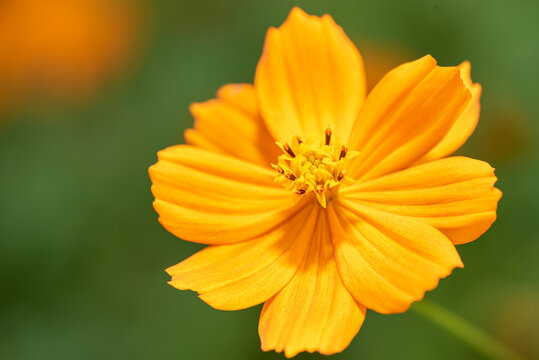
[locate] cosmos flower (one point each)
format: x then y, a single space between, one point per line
320 200
64 48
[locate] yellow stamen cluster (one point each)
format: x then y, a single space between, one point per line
313 165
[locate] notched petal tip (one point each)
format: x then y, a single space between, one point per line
150 171
465 73
498 192
428 58
170 271
297 12
230 91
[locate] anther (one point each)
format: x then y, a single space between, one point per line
298 139
300 191
328 136
278 168
340 176
290 176
287 148
344 150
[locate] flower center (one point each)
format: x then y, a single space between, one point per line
316 165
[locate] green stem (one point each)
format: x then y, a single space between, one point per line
466 332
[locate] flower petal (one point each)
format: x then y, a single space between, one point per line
465 124
310 76
238 276
314 311
405 115
215 199
455 195
231 124
387 261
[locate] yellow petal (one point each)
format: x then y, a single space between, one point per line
388 261
314 311
238 276
215 199
310 76
405 115
231 124
455 195
465 124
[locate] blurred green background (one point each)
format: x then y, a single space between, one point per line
83 256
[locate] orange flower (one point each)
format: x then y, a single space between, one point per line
64 47
361 209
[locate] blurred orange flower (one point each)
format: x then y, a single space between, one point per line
62 47
362 209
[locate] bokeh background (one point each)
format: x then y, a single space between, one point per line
90 90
